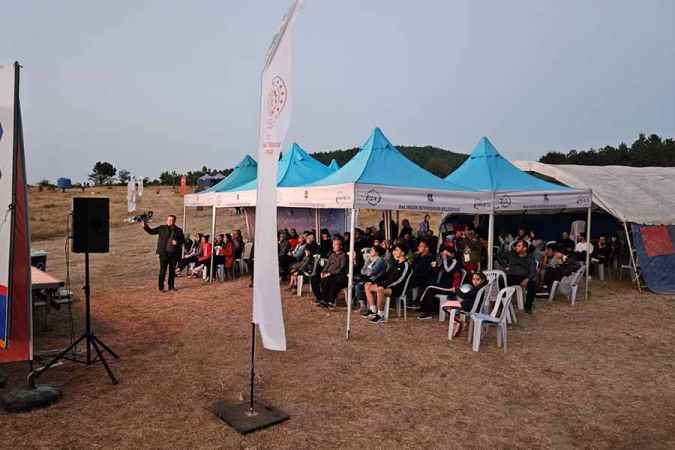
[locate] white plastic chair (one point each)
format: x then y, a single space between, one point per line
402 300
496 275
480 296
497 318
568 285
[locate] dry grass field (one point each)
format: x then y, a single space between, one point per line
596 375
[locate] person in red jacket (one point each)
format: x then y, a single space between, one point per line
205 250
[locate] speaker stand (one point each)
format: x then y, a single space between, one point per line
89 337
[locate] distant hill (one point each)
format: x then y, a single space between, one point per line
436 160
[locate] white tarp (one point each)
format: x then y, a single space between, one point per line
643 195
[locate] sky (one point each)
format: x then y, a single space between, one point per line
174 85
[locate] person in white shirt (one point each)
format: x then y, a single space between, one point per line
583 247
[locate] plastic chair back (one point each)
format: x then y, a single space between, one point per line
501 307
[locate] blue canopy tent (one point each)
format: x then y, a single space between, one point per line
243 172
511 189
380 177
295 168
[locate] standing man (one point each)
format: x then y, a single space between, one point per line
169 244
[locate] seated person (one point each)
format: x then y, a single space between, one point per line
328 283
303 267
449 278
237 243
424 271
583 247
370 273
325 243
566 242
203 259
465 300
391 284
191 255
228 256
567 265
602 252
547 260
472 251
521 269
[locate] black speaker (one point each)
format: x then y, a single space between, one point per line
91 225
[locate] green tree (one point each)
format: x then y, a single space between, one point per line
124 176
102 173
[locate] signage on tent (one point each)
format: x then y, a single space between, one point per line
373 197
503 202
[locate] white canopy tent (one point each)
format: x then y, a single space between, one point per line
641 195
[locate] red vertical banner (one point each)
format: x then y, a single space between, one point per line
19 345
183 185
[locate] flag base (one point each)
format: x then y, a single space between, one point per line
244 420
24 400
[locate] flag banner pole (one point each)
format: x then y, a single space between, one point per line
276 99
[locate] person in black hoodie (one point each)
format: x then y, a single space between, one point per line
424 271
169 243
449 276
390 285
521 269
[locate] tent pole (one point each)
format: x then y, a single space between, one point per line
350 281
588 253
632 258
398 225
182 254
491 240
248 224
213 238
384 223
317 224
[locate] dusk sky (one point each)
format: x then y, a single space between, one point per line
174 85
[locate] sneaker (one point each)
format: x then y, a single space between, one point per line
366 313
425 316
330 306
376 319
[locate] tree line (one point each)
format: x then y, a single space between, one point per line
646 151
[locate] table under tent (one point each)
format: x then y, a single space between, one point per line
296 167
380 177
642 200
510 191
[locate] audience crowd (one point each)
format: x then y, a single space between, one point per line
415 262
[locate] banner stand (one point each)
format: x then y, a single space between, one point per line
250 416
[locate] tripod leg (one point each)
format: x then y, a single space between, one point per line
105 347
34 375
105 364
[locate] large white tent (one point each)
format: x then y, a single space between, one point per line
641 196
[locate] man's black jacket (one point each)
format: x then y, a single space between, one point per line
167 234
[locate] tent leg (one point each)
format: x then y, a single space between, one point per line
317 224
632 258
248 224
588 254
182 255
350 280
213 238
491 240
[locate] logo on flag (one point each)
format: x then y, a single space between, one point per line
276 97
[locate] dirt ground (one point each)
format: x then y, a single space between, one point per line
596 375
